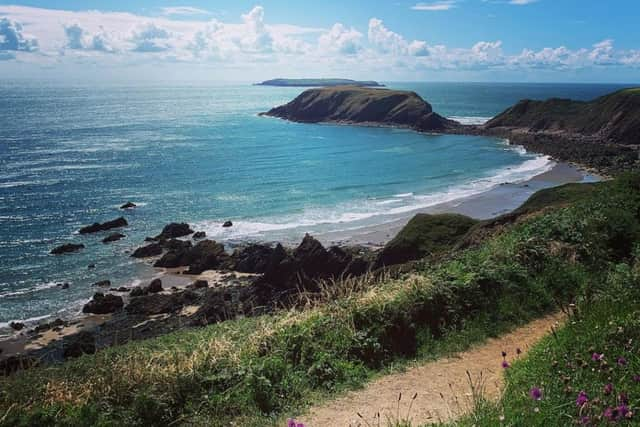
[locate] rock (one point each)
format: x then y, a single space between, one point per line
253 258
103 304
96 226
121 289
154 287
173 230
176 244
152 304
150 250
199 235
62 285
16 326
205 255
227 224
198 284
84 342
137 292
67 248
91 266
102 284
128 205
51 325
113 237
150 239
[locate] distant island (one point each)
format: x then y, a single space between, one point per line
318 83
368 106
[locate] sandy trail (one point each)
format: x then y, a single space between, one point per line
443 386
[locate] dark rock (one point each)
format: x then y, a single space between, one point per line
150 239
51 325
227 224
220 305
152 304
96 226
67 248
199 235
128 205
64 285
122 289
113 237
16 326
84 342
137 292
173 230
176 244
102 284
103 304
153 249
199 284
91 266
154 287
253 258
205 255
14 364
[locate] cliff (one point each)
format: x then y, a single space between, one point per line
357 105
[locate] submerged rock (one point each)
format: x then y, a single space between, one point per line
128 205
103 304
102 284
67 248
64 285
227 224
96 226
113 237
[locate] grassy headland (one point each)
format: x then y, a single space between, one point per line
257 371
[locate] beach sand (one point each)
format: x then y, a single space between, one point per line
494 202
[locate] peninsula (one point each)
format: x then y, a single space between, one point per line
318 83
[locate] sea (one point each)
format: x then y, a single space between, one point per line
71 154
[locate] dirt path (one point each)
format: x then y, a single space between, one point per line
443 387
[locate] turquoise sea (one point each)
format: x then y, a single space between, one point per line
70 155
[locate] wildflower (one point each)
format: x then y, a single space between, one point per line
291 422
504 354
535 393
623 411
536 409
596 357
611 413
585 421
636 378
623 399
608 389
582 398
505 364
518 351
622 361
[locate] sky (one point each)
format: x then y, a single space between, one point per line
434 40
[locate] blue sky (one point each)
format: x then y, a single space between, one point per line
478 40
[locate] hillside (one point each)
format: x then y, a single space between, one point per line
349 104
318 83
613 118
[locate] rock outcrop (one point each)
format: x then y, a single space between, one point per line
357 105
174 230
66 248
103 304
96 226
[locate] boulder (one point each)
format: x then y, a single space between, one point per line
205 255
253 258
173 230
67 248
57 323
152 304
103 304
199 235
96 226
102 284
154 287
150 250
227 224
113 237
91 266
199 284
137 292
128 205
84 342
64 285
16 326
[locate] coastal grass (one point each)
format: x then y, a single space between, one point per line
257 371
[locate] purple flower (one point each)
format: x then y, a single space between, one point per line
535 393
623 399
608 389
636 378
596 357
505 364
582 398
291 422
623 411
585 421
611 413
300 425
622 361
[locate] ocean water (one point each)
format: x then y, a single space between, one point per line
70 155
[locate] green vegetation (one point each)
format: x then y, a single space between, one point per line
425 235
259 371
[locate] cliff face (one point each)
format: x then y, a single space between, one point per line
613 118
348 104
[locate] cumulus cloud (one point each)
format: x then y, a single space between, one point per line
340 39
80 39
386 41
12 37
149 38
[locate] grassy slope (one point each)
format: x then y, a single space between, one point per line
254 371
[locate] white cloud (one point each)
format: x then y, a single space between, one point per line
438 5
12 37
341 39
184 11
521 2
